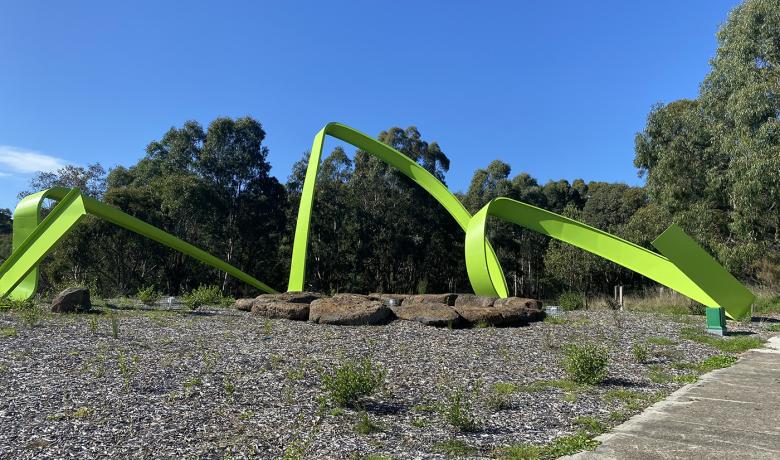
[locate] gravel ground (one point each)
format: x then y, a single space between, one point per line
225 384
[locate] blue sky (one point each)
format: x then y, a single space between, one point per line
556 88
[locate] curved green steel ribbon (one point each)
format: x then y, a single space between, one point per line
394 158
33 238
687 268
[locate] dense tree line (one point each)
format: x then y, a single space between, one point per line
711 164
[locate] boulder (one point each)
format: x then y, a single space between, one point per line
509 313
278 309
430 314
72 300
292 297
349 310
521 302
444 299
244 304
474 300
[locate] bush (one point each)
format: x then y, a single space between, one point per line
206 295
353 381
586 363
148 295
458 413
500 396
640 353
571 301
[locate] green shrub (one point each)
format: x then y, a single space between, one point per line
500 394
206 295
586 363
640 353
353 381
571 301
148 295
457 412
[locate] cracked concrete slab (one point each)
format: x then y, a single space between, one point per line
729 413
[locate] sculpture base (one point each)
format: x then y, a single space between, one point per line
716 321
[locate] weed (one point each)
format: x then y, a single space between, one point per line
505 355
190 384
206 295
352 381
30 314
276 360
128 367
482 324
337 412
499 396
246 415
591 425
454 448
773 327
586 363
661 341
549 342
657 375
623 395
293 451
419 423
565 445
114 325
736 344
297 374
617 416
457 412
539 385
80 413
93 324
709 364
366 426
640 353
149 295
8 332
229 387
267 327
555 320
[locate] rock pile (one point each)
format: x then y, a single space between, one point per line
440 310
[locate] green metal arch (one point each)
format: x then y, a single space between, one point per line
33 238
684 266
394 158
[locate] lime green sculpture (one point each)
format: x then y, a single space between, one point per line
681 265
33 238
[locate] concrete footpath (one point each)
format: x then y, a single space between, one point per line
729 413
